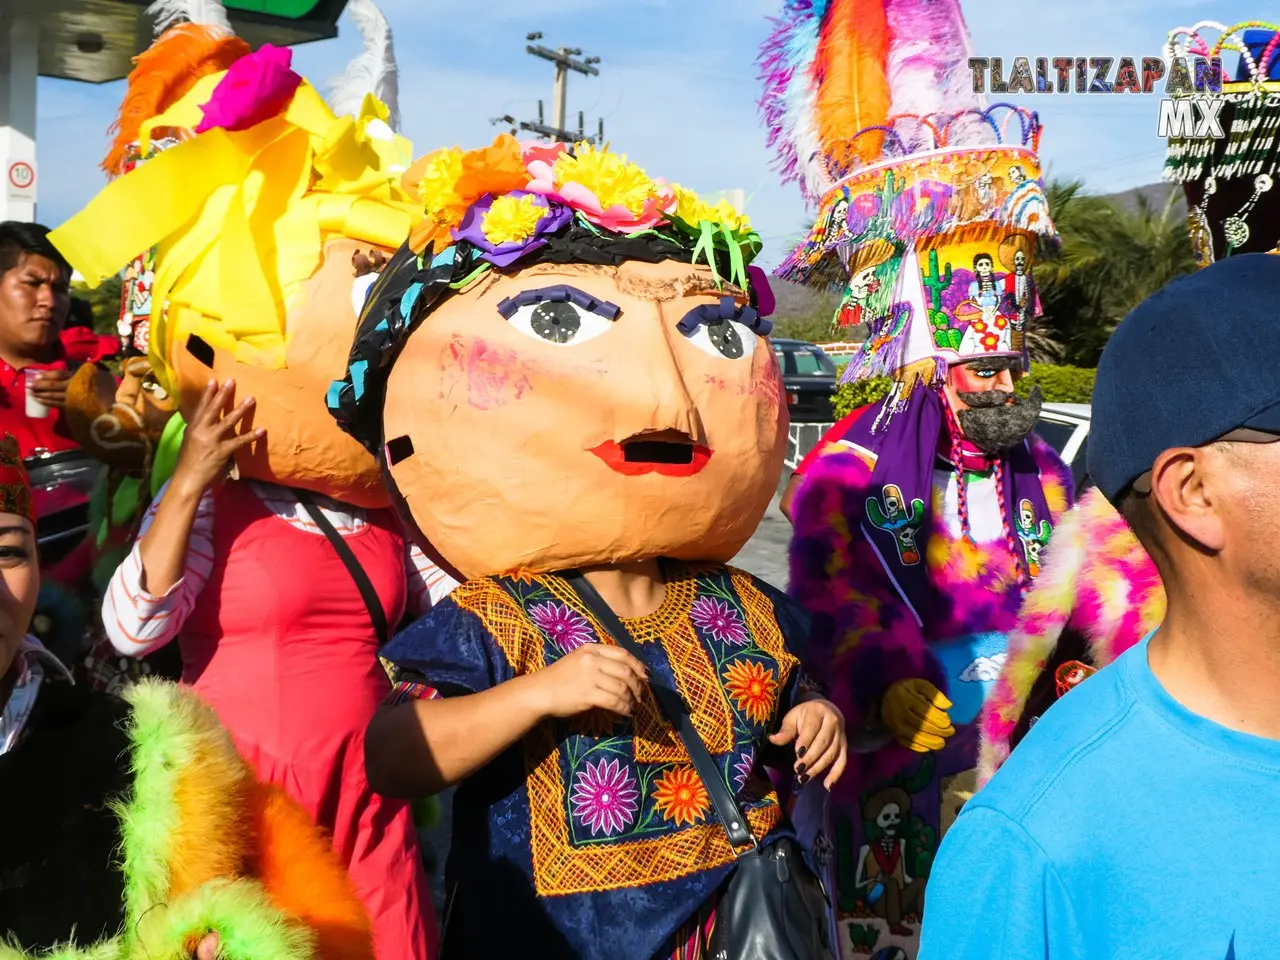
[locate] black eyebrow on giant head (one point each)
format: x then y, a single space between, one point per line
561 293
726 308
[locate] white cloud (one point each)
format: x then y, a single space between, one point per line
984 669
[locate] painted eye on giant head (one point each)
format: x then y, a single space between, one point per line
560 315
725 329
152 386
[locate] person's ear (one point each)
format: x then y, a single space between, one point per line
1180 484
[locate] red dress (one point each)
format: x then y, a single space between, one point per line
280 643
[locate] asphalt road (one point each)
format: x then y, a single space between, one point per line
765 554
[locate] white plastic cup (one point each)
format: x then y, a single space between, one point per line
35 409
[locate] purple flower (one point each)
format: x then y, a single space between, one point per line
720 620
605 797
554 216
742 770
568 629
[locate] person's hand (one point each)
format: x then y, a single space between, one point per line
208 948
50 387
816 727
915 713
595 676
211 439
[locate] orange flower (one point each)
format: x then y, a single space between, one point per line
680 796
448 181
752 687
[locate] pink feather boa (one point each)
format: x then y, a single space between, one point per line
864 637
1097 580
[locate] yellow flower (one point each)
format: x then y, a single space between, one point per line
693 210
613 179
512 219
438 185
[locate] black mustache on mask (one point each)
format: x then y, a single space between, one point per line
995 424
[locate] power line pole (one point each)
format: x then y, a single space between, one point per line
564 60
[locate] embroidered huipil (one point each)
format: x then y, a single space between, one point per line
276 637
593 838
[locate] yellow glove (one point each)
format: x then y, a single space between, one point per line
915 712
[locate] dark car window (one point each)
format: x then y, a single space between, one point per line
1056 434
811 362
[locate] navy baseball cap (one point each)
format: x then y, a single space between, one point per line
1194 361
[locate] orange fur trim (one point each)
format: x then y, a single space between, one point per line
210 839
162 75
304 878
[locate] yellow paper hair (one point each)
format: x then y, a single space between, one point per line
240 218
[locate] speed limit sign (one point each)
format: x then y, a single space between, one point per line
22 178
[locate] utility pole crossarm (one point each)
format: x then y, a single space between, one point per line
564 58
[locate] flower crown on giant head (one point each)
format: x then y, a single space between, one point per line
510 205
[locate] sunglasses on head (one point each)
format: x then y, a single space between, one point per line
1239 435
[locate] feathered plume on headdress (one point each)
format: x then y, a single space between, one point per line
194 40
846 80
373 71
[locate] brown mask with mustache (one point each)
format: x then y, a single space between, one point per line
119 425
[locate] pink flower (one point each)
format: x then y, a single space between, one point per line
721 621
605 797
540 158
742 769
568 630
256 88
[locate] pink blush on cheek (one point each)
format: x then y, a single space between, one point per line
494 375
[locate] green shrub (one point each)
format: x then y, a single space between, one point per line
1059 384
850 396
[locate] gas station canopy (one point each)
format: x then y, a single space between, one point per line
95 40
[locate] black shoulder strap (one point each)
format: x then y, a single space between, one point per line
676 711
370 595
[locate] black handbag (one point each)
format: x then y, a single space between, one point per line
773 907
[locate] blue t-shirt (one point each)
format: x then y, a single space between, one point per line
1124 826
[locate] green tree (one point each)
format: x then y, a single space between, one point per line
105 301
1110 260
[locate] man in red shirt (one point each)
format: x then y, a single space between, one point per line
34 302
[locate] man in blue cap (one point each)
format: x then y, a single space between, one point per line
1123 824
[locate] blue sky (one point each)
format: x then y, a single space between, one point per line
677 88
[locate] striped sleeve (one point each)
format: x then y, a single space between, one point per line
138 622
428 584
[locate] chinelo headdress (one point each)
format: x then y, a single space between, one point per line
511 205
930 203
1230 182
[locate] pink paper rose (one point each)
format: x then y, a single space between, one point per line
256 88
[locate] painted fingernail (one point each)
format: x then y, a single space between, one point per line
800 768
804 778
800 752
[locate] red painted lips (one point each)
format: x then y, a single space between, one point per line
639 456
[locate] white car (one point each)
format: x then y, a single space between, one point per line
1065 427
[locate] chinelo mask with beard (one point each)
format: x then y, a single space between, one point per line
998 419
